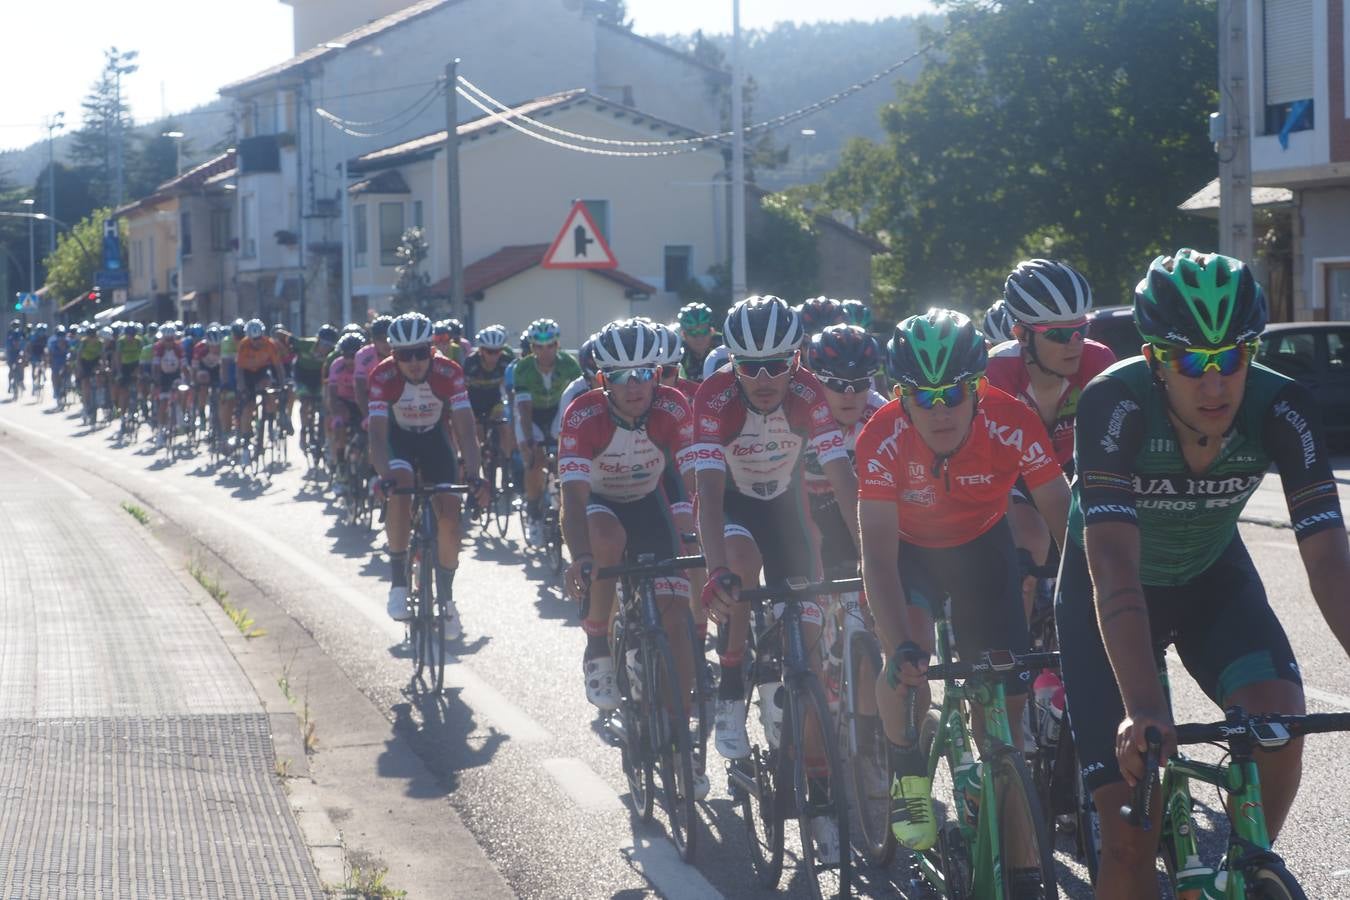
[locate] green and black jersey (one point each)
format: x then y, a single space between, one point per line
1130 469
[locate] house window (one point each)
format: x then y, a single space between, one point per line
599 210
220 229
391 232
248 240
1288 55
678 258
359 239
185 233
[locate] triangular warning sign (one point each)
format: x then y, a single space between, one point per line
579 245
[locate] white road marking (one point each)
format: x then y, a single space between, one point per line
486 701
1338 700
70 487
587 789
658 862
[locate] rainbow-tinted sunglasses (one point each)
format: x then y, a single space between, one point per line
1196 361
948 395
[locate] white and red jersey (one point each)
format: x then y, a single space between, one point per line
1007 371
367 358
342 376
762 451
814 473
421 406
621 463
169 357
206 354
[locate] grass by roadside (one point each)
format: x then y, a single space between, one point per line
211 584
136 512
365 884
308 727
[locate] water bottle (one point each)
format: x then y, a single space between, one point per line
1045 688
967 784
633 661
770 697
1194 880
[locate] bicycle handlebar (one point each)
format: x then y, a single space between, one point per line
643 569
1296 725
995 662
425 491
784 591
1138 812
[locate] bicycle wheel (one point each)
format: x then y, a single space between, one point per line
1026 855
822 800
635 755
863 741
1272 881
702 701
670 737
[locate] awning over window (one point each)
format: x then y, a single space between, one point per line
118 312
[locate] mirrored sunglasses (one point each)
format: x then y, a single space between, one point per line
948 395
1061 334
845 385
770 368
1194 361
623 376
411 354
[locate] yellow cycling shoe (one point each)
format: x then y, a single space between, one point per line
912 820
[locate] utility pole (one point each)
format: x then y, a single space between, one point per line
457 303
55 123
32 259
177 138
1234 145
738 289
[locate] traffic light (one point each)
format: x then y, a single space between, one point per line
96 296
18 302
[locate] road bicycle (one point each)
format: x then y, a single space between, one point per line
15 381
775 781
426 626
993 844
1251 869
550 511
352 475
652 722
39 381
61 386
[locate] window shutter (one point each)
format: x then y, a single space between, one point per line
1289 51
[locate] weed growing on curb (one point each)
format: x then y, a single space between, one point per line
136 512
366 884
211 584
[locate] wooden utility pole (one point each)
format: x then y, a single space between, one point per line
457 305
1235 144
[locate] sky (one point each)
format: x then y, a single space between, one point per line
189 48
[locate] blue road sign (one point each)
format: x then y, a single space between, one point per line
112 278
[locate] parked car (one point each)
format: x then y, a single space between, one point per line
1114 327
1317 356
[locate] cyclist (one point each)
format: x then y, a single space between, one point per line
37 351
589 378
343 413
698 336
484 371
287 353
15 340
935 468
58 355
258 366
88 354
998 324
367 358
616 443
311 354
753 422
819 313
540 379
857 313
1170 447
127 363
206 359
672 351
448 339
413 395
169 363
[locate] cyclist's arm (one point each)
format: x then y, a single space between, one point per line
576 494
379 444
1052 499
711 484
466 433
363 395
881 572
845 486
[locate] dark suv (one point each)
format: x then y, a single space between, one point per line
1114 327
1317 356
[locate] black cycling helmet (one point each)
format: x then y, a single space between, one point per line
456 328
441 327
350 343
1196 299
820 313
844 351
327 335
998 323
380 327
762 328
1046 291
940 347
586 357
237 329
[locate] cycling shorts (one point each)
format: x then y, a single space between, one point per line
347 414
487 415
1221 624
780 531
167 382
838 554
229 380
428 453
648 525
127 374
88 367
253 382
982 580
308 382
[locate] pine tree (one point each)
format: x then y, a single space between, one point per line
107 119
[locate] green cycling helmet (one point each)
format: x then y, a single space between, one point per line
940 347
696 315
543 331
1196 299
857 313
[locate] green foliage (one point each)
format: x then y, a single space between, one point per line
107 118
411 283
152 159
762 151
780 254
71 269
1072 128
136 512
615 12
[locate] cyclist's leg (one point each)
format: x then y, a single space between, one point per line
398 519
1095 711
608 539
534 472
743 559
1233 645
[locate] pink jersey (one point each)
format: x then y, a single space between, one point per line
342 376
625 464
367 358
416 407
761 451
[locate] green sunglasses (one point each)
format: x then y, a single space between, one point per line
948 395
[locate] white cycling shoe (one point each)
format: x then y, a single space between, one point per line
454 626
398 604
729 729
600 689
825 836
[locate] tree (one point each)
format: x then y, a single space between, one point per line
761 151
71 269
1070 129
411 283
154 159
614 12
107 119
780 254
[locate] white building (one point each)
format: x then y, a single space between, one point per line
382 79
663 217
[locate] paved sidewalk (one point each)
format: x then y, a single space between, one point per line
135 759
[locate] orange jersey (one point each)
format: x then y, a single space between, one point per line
947 503
256 354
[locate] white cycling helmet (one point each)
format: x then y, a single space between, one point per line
718 357
1045 291
627 344
998 323
762 328
105 333
671 347
254 329
410 330
493 337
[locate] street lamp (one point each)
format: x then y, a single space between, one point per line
54 124
32 263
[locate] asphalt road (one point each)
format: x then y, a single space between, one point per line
513 748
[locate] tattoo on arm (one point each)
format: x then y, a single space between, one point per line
1123 609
